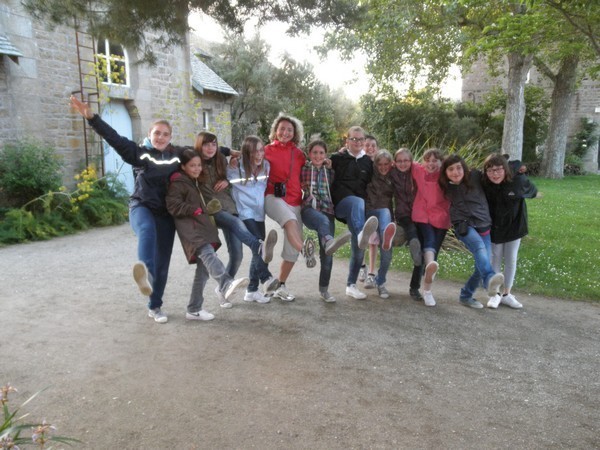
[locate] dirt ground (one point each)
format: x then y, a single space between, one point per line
373 374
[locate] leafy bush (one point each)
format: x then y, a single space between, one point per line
95 202
27 170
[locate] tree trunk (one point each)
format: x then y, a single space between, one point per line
512 136
553 160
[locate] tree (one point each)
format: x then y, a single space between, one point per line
130 21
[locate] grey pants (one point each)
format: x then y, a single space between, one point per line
506 253
208 264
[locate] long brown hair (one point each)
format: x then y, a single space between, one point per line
204 137
249 146
450 160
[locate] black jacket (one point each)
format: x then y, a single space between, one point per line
469 205
352 176
152 168
508 209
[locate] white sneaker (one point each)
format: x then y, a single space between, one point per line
510 300
430 271
369 228
256 296
362 274
495 283
283 294
158 315
200 315
238 283
370 282
494 301
270 286
334 244
352 291
142 278
268 245
428 298
222 300
327 297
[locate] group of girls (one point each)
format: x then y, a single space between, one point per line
195 191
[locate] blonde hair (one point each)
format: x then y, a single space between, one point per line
383 154
298 128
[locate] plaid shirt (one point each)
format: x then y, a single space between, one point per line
320 181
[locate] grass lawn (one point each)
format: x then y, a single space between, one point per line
561 255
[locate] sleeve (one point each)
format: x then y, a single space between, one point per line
176 204
126 148
225 151
526 188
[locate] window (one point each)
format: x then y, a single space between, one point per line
205 120
113 64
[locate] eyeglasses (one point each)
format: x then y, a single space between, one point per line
491 170
400 161
354 139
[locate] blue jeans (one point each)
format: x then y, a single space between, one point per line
431 237
324 225
481 249
352 210
384 216
155 235
259 271
235 233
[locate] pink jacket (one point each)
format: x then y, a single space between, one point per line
430 205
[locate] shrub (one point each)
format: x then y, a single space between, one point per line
27 170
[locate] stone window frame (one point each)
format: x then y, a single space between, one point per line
117 55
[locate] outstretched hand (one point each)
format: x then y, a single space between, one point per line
82 107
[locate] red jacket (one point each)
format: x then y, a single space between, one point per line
279 156
430 206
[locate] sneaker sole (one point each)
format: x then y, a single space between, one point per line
369 228
235 285
308 251
272 287
495 283
431 271
388 236
189 316
338 243
268 246
140 275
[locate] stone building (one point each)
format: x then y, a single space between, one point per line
586 104
40 68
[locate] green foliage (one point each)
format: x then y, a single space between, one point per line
265 90
12 426
27 170
95 202
587 136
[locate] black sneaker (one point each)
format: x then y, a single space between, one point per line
415 295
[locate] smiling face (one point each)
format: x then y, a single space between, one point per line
371 147
403 162
160 136
495 174
355 141
455 173
209 149
383 166
284 131
432 164
317 155
193 168
258 155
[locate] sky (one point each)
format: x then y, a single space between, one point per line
350 76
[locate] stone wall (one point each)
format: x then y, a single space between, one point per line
34 93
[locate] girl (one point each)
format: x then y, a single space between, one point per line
198 235
317 212
430 214
506 194
471 220
404 193
283 197
153 163
380 195
248 179
215 186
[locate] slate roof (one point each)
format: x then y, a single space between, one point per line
203 78
7 48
